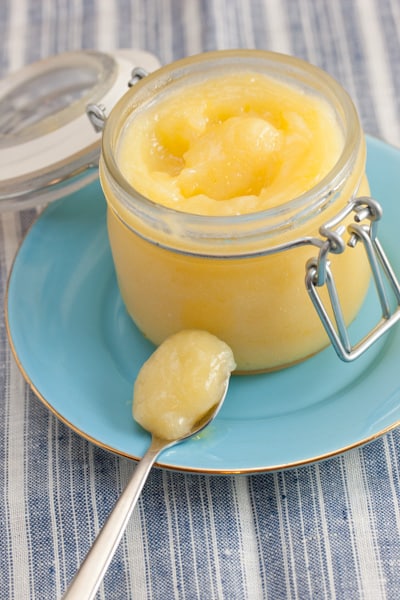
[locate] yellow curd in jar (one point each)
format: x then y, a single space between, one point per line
231 150
238 144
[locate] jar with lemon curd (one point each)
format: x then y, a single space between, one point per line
220 171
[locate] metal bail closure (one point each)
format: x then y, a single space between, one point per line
367 213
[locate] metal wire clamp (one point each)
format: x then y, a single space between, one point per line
97 113
367 213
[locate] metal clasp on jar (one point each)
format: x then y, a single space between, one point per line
97 113
367 213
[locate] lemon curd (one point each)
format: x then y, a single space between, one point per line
209 167
181 381
237 144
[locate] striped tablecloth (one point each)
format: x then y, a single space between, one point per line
331 530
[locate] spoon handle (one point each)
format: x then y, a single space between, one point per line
91 572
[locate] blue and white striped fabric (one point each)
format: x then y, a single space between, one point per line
328 531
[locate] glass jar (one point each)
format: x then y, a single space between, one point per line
241 277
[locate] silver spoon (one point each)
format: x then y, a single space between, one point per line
91 572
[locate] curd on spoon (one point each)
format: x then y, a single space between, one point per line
181 382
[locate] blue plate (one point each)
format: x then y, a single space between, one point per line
80 352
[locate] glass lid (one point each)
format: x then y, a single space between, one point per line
48 145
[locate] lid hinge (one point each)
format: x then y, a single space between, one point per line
97 112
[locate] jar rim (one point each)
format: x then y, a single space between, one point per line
266 221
